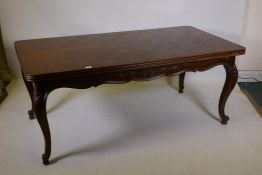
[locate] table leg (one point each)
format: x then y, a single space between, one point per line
40 111
231 80
181 82
30 89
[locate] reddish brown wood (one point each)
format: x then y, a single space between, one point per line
91 60
69 56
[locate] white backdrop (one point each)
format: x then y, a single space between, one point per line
252 38
26 19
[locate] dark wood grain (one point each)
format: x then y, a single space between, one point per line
56 57
92 60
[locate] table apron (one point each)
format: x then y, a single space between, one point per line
120 77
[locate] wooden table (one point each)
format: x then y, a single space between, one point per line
91 60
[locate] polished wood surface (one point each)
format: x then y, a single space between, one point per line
92 60
52 57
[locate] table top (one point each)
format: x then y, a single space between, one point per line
120 51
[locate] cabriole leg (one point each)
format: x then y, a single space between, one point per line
40 112
181 82
231 80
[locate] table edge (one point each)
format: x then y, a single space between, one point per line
144 65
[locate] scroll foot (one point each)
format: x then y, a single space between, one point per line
225 120
45 159
31 115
